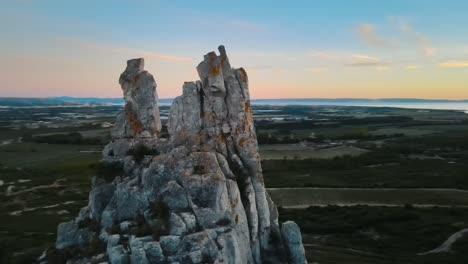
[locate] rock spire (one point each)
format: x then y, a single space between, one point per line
196 197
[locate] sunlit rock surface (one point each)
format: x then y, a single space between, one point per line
140 117
197 197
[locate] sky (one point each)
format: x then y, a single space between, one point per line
290 49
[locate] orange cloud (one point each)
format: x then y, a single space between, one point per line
368 34
321 54
453 64
133 52
316 69
412 67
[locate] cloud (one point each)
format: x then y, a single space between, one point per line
368 64
406 35
365 58
150 54
132 52
265 55
322 54
368 33
233 24
422 42
359 60
412 67
382 68
453 64
316 70
347 59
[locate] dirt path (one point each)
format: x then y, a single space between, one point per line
373 189
447 245
372 204
417 197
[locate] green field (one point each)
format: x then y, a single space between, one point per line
386 155
431 161
43 185
305 197
379 235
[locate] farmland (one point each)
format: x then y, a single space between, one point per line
344 174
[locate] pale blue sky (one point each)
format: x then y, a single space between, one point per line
409 48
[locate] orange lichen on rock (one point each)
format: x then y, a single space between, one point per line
243 74
214 68
132 118
248 108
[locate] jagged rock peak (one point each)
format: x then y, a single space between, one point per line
197 197
140 118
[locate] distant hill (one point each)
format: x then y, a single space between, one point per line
61 101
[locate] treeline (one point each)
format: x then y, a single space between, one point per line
286 138
74 138
268 138
307 124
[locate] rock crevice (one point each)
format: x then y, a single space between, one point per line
197 197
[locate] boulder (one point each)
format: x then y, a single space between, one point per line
293 240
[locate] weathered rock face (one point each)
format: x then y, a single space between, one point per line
140 118
197 197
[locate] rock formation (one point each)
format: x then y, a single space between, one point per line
197 197
140 119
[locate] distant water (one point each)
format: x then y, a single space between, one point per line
461 105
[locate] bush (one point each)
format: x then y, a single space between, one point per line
74 138
140 151
107 171
162 213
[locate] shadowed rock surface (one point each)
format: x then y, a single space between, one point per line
197 197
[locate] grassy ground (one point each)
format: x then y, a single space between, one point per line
378 235
293 151
51 182
24 235
444 165
304 197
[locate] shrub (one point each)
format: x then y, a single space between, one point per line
162 213
140 151
107 170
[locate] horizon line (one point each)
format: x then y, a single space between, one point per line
286 98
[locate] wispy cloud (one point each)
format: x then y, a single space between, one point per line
229 23
130 51
150 54
368 33
382 68
422 42
365 58
265 55
347 59
453 64
359 60
406 36
412 67
322 54
316 70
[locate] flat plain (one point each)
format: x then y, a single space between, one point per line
365 184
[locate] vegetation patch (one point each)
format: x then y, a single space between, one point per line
378 234
140 151
108 170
